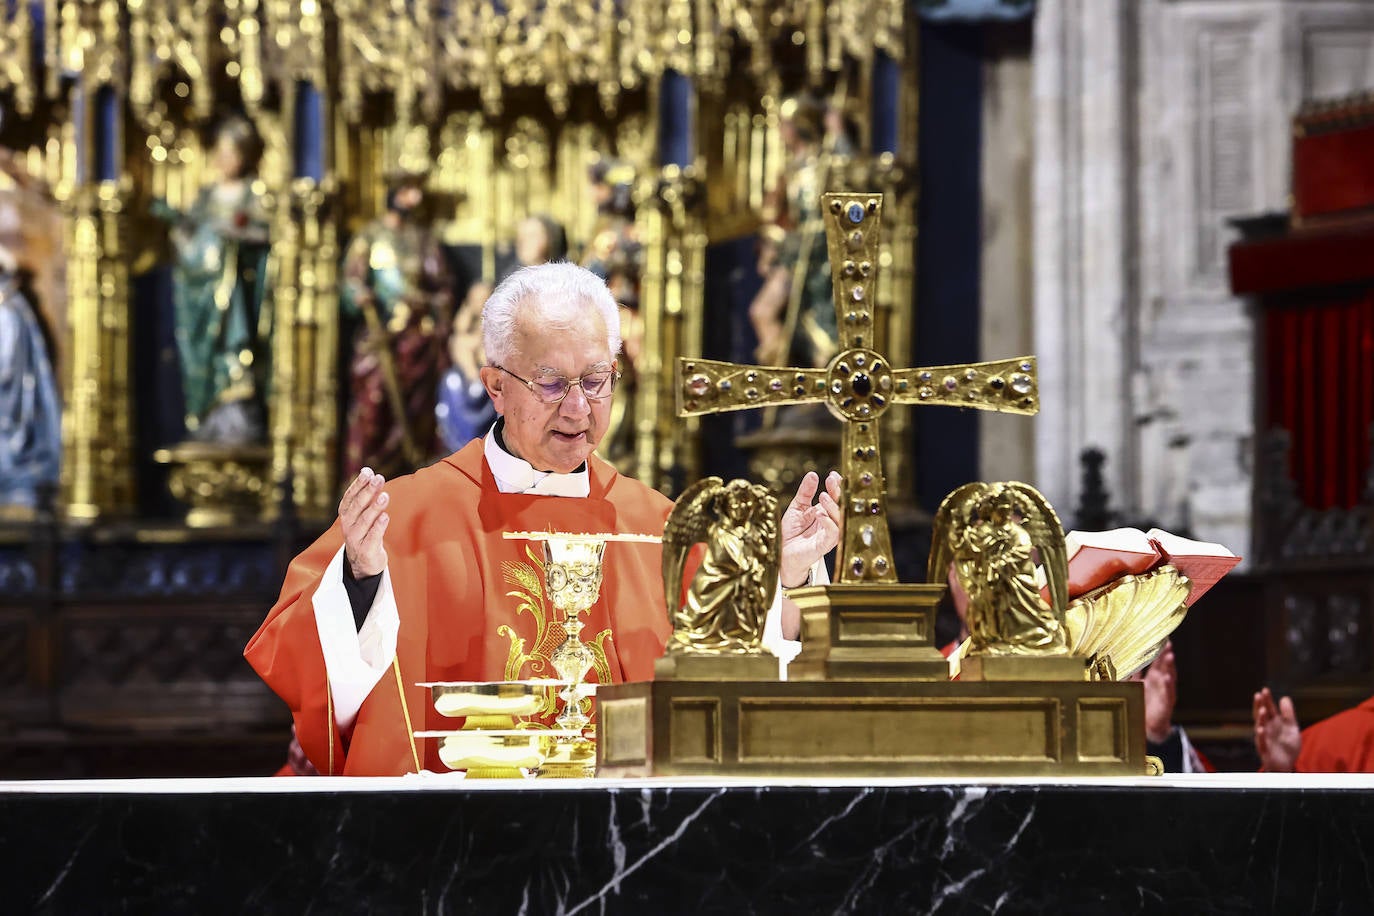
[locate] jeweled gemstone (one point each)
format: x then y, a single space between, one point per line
863 386
698 385
856 213
1022 384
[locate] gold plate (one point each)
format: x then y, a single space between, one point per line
501 698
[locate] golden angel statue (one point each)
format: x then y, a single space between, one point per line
993 532
733 587
1007 552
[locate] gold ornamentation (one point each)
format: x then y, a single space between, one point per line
491 744
1128 621
526 584
572 573
673 284
734 586
304 399
991 532
97 475
221 485
857 386
16 57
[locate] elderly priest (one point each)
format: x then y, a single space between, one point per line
415 581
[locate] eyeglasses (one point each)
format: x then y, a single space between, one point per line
553 389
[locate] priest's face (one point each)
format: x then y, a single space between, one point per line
552 437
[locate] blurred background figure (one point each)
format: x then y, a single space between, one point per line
1164 739
30 406
396 280
796 327
223 334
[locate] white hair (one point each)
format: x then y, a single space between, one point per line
560 294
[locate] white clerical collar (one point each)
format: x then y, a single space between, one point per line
516 475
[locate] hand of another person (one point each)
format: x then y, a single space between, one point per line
363 518
1161 691
296 759
1278 739
809 530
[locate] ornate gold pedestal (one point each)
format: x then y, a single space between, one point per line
1025 668
682 666
870 632
570 759
221 485
872 728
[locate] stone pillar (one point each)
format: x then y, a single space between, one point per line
1155 122
1083 130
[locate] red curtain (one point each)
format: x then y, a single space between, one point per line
1321 389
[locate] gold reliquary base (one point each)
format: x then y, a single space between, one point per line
868 632
220 485
1025 668
871 728
694 666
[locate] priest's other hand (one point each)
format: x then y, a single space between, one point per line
1277 736
1161 691
363 518
809 529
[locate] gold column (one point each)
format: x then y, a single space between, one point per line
97 467
305 339
671 306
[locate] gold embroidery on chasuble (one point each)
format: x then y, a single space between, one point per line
531 654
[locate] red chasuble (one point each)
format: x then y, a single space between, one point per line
471 606
1343 743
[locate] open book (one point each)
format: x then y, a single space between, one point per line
1098 557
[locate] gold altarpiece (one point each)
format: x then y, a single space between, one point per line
504 105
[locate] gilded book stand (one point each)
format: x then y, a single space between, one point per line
869 694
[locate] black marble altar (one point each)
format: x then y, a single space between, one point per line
338 846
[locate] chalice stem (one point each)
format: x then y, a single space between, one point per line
572 660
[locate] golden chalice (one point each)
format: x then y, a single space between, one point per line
572 572
572 578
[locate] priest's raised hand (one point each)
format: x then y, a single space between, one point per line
363 518
810 527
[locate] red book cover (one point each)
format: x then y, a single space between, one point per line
1201 562
1098 557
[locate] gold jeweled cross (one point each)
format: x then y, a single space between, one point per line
857 386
